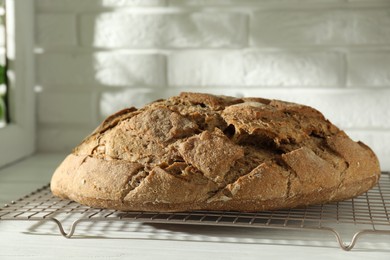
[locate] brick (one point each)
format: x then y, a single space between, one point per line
255 68
102 68
205 68
60 138
66 108
369 69
293 69
356 109
321 27
347 108
246 2
206 2
86 5
56 29
124 30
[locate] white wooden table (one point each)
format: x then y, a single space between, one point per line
31 240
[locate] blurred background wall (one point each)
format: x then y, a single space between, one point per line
94 57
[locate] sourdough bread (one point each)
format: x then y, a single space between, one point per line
204 152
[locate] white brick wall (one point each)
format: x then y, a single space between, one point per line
255 68
369 69
150 30
100 68
321 27
88 5
49 33
66 108
95 57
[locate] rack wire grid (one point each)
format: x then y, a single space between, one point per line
368 214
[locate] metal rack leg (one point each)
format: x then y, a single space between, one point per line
356 236
344 246
61 228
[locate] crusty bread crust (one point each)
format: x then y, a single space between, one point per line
204 152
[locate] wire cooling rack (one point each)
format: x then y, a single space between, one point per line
366 214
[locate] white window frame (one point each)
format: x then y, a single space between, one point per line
17 139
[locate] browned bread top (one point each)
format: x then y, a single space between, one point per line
200 151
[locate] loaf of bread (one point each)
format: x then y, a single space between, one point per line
205 152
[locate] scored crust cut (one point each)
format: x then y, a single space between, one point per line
204 152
